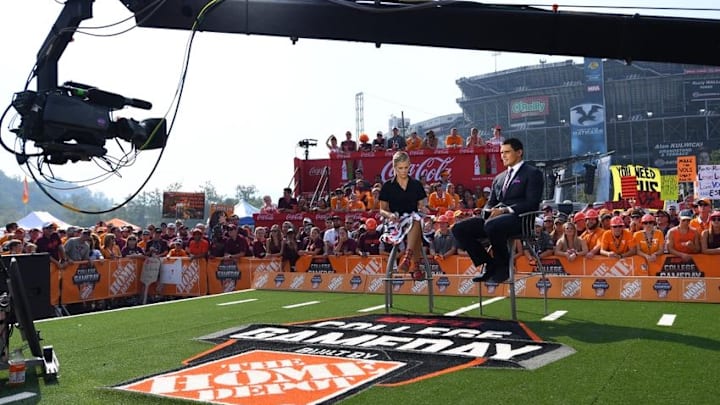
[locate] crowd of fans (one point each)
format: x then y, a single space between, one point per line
587 233
413 142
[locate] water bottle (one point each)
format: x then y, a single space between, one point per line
17 369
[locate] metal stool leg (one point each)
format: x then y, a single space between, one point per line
388 279
429 280
511 280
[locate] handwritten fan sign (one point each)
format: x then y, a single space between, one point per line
686 169
708 182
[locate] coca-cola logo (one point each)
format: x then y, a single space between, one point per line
316 171
265 217
294 217
429 169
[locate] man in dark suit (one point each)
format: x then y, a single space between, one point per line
516 190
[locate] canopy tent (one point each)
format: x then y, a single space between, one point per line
244 210
120 223
37 219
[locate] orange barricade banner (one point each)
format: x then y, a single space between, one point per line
601 266
674 266
84 281
123 277
55 283
261 265
552 265
366 265
182 277
228 275
304 281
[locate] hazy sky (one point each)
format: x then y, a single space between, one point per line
248 99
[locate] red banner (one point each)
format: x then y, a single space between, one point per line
628 187
467 166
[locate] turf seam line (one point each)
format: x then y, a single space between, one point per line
302 304
222 304
474 306
554 316
17 397
667 320
375 308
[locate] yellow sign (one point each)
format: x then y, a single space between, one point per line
648 178
669 190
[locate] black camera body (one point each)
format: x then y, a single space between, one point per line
72 123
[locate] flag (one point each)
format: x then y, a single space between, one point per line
26 192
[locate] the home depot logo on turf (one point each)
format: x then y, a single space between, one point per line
324 361
263 377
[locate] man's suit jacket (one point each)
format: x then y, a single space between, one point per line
524 193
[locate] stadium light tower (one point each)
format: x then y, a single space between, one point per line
359 114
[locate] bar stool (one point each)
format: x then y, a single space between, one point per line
530 240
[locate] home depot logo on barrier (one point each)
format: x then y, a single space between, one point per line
325 361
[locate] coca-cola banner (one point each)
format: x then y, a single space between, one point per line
467 166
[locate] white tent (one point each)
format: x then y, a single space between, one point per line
36 219
244 210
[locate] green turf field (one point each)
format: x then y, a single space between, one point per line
622 356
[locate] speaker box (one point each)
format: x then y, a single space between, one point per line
35 271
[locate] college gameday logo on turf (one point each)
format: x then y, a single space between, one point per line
324 361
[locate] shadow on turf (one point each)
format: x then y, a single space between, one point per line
591 332
32 384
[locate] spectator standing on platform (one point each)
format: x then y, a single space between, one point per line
482 196
348 145
413 142
396 142
330 237
673 213
440 201
332 144
454 140
339 202
267 206
430 141
468 202
682 240
474 139
570 245
450 189
10 229
379 142
710 238
618 242
650 241
497 138
287 203
593 233
365 145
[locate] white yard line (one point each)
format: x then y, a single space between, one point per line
302 304
667 320
371 308
554 316
473 306
16 397
236 302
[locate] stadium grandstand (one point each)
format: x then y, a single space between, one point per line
654 111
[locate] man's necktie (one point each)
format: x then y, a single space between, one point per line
506 184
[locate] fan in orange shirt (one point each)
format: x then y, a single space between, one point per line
441 201
338 202
355 204
454 140
413 142
617 242
650 241
177 249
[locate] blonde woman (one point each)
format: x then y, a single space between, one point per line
650 241
401 199
570 245
110 249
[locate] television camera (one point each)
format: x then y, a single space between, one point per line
306 144
73 121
